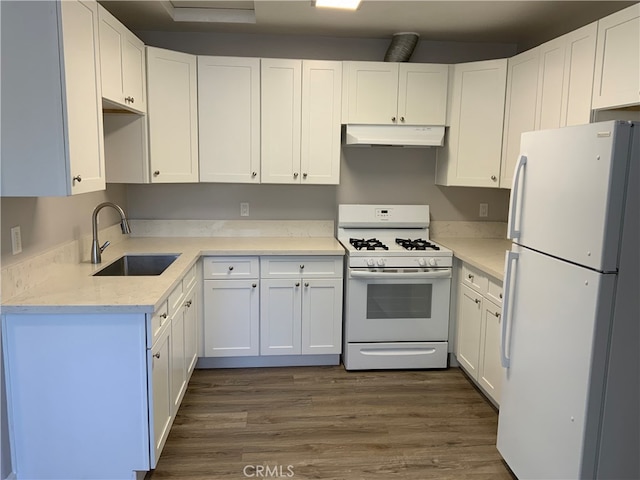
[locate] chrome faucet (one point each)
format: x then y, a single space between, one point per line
96 250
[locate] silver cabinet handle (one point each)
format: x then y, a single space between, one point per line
188 303
306 284
164 315
297 284
304 175
295 175
494 178
470 277
129 100
497 314
393 119
77 178
230 267
500 296
156 173
302 266
254 285
254 174
477 300
402 119
157 355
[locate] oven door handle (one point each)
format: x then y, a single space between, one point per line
442 273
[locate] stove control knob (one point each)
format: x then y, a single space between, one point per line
422 262
381 262
371 262
433 262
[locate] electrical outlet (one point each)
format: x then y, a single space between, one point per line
244 209
16 240
484 209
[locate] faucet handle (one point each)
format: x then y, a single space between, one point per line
104 245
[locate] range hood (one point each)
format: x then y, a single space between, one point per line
394 135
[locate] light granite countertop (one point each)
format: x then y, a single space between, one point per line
73 289
486 254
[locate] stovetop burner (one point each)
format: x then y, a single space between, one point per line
370 244
417 244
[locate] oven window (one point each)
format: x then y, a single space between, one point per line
399 301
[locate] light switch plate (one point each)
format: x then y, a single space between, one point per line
16 240
244 209
484 209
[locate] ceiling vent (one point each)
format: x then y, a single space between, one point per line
401 47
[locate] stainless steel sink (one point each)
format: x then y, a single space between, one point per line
139 265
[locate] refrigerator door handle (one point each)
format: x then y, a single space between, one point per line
509 259
512 233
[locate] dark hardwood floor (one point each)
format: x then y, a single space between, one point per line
326 423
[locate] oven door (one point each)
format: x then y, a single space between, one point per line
395 304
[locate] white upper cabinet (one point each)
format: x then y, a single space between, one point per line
172 116
520 109
300 121
52 140
471 155
320 123
565 79
617 72
229 119
122 59
387 93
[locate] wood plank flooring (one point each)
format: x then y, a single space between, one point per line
326 423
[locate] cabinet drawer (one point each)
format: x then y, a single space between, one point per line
474 278
175 299
230 267
494 291
189 280
280 267
158 320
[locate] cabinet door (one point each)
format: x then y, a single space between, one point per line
520 109
231 318
468 336
372 89
422 94
280 317
161 393
617 72
580 51
83 95
134 73
471 156
178 360
281 84
321 107
111 56
172 111
491 371
550 84
229 119
322 316
191 330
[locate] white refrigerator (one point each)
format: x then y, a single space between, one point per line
570 342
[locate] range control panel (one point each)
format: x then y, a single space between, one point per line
372 216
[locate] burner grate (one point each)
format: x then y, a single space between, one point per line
370 244
417 244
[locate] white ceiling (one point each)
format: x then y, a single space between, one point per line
521 22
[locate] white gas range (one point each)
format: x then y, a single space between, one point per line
397 288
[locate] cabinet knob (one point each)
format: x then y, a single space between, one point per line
304 175
156 173
477 300
306 284
156 355
302 266
393 119
497 314
254 174
402 119
297 284
494 178
129 100
500 296
188 303
254 285
230 267
164 315
77 178
295 175
470 277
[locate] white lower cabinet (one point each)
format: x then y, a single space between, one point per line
479 328
160 408
272 305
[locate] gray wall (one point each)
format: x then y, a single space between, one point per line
368 175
